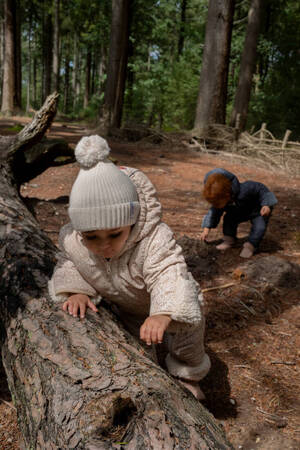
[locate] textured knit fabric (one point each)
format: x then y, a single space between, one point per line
247 200
148 277
102 196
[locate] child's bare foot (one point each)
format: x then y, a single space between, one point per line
194 388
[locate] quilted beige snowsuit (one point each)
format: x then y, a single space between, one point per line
148 277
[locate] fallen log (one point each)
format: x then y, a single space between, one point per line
84 384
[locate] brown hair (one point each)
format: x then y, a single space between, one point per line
217 190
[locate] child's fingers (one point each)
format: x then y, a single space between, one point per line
92 306
65 306
82 308
75 309
145 334
160 335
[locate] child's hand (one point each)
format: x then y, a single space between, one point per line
152 330
204 234
265 211
77 304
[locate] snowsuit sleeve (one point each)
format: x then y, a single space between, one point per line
172 288
66 279
212 218
264 195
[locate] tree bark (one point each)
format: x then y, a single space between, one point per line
79 384
47 52
75 73
182 28
17 52
55 62
8 88
66 83
87 79
117 65
212 97
243 92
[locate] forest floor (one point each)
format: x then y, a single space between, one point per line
252 333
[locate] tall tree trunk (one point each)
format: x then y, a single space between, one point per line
29 80
2 43
243 92
75 73
181 28
17 51
211 104
78 384
117 65
87 90
55 62
34 79
47 52
8 88
66 84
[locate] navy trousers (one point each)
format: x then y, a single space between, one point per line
234 216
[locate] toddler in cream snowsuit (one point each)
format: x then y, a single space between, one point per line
116 247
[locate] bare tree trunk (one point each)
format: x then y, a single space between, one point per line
8 88
47 53
182 28
117 65
75 76
55 63
243 92
87 90
78 384
34 79
66 83
2 43
17 51
211 104
29 78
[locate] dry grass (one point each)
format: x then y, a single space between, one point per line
260 148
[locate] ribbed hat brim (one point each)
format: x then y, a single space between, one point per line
105 217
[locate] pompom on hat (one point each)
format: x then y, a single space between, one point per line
102 197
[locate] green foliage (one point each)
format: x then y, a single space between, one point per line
15 129
162 85
165 85
276 92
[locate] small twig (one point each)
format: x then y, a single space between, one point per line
242 366
250 378
251 310
286 363
269 414
223 286
8 404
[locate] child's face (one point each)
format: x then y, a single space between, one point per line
106 243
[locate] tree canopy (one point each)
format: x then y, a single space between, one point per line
165 52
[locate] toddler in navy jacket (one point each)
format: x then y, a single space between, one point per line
241 202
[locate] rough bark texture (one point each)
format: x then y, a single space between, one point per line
211 104
243 92
80 384
8 88
118 56
56 36
18 57
47 54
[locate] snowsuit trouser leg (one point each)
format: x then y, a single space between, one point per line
187 358
185 354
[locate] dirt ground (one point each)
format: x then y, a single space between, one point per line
252 331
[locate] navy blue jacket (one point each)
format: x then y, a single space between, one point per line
249 197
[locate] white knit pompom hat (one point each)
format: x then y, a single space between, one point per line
102 197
